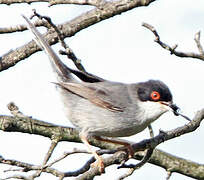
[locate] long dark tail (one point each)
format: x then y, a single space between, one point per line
58 66
64 73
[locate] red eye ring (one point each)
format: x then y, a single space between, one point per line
155 95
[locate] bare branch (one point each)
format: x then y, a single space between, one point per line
151 132
145 158
27 167
116 158
68 29
9 2
51 149
17 177
173 48
82 170
47 156
169 173
8 123
164 136
68 51
15 110
55 2
96 3
21 27
197 40
127 174
75 151
25 124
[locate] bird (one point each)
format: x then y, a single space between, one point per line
104 109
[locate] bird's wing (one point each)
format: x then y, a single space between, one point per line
98 96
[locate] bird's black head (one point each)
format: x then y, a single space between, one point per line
154 90
157 91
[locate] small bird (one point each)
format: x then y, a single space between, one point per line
101 108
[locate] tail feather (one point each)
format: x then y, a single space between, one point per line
64 73
59 67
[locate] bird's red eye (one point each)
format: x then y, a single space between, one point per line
155 95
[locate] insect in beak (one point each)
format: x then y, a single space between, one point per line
176 112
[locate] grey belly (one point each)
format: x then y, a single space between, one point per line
101 122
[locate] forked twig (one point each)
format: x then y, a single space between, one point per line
173 48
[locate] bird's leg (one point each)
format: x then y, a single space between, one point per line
97 157
125 144
145 158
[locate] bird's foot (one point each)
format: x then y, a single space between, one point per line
100 164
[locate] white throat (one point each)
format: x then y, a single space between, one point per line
150 111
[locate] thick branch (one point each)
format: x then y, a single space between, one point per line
68 29
162 159
34 126
176 164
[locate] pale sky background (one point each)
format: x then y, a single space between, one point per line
118 49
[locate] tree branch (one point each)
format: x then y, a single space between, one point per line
68 29
52 2
173 48
159 158
22 27
24 124
68 51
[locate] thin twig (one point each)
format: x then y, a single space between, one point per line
74 151
22 27
53 145
13 108
28 167
173 48
95 3
151 132
126 174
17 177
68 51
144 160
169 173
197 40
82 170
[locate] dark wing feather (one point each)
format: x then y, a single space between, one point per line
87 77
92 94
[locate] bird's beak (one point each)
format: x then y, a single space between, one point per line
175 109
